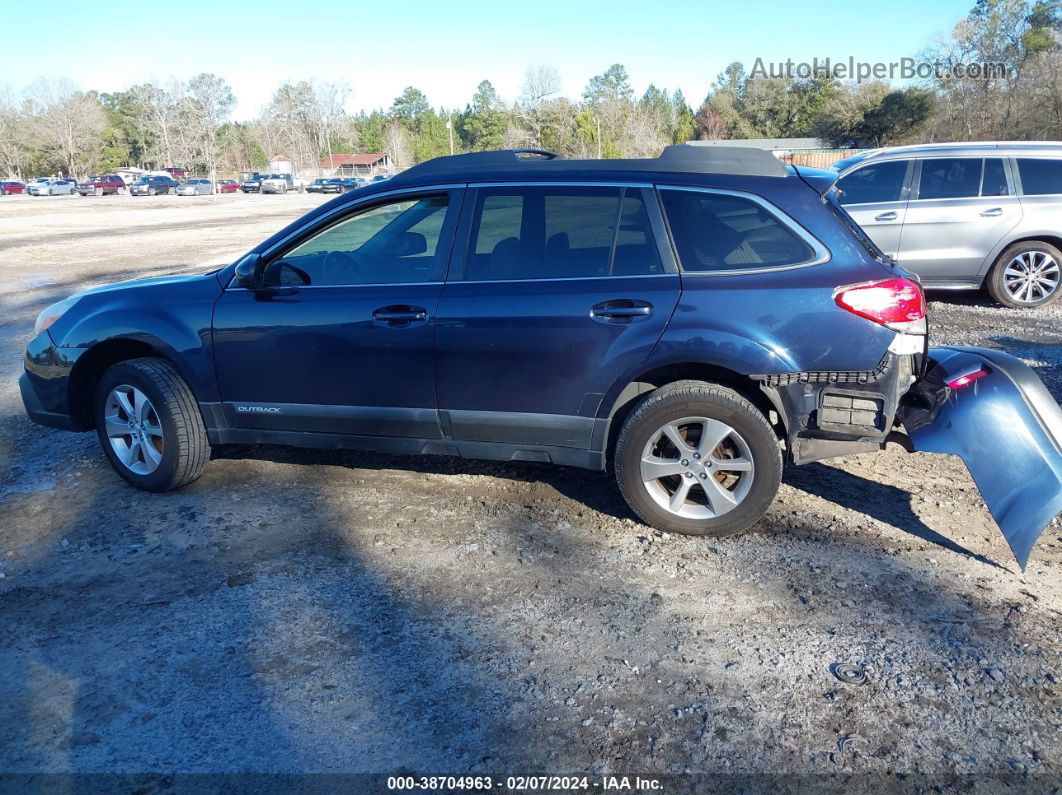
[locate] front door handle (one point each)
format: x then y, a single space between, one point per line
621 310
993 213
889 216
400 316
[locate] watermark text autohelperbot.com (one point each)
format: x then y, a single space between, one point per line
903 69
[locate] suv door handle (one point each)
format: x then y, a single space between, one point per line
995 211
399 316
889 216
621 310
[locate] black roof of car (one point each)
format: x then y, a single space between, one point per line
521 163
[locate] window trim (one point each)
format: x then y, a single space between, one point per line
821 254
906 187
463 236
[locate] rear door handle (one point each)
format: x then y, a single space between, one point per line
889 216
621 310
994 212
400 316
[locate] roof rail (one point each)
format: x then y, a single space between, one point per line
726 160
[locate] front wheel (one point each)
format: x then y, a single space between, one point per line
1026 275
698 458
149 425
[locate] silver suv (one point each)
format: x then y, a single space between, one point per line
965 215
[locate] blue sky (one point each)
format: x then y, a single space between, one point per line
446 48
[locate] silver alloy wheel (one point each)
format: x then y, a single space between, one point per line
1031 276
697 468
134 429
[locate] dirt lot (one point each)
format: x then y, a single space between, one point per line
304 611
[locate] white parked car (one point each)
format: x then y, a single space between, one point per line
195 186
281 183
51 187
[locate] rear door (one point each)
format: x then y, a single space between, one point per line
875 195
554 293
960 208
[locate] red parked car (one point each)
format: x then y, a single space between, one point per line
11 186
101 184
227 186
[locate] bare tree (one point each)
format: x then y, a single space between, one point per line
396 143
66 124
541 86
209 102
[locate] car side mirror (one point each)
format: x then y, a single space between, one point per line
249 272
412 243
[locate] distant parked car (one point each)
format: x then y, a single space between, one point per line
11 186
50 187
321 185
381 178
277 183
101 185
228 186
196 186
965 215
152 184
252 184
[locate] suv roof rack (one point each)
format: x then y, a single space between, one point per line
680 158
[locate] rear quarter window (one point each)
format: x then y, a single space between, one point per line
720 232
1040 176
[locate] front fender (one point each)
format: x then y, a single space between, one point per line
991 410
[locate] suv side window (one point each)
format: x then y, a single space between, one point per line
719 232
994 182
950 178
1040 176
393 243
557 232
874 183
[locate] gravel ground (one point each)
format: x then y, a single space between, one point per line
336 611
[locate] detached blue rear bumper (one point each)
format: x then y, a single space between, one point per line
1006 427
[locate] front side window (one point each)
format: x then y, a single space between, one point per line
556 232
394 243
874 183
720 232
950 178
1040 176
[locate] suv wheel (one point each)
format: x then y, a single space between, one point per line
698 458
149 425
1026 275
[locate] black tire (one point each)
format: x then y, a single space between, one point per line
151 191
185 450
698 399
995 278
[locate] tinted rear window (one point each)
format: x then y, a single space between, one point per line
1040 176
950 178
714 232
560 232
994 182
877 182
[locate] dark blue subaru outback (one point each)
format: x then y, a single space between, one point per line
688 321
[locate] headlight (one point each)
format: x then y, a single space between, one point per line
52 313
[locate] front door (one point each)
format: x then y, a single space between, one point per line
875 195
563 289
960 208
339 339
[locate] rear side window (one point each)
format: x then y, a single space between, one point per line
531 232
950 178
994 182
874 183
719 232
1040 176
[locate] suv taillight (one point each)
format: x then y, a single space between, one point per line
896 303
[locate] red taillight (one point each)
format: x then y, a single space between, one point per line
896 303
967 378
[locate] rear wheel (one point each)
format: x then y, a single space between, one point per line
149 425
1026 275
698 458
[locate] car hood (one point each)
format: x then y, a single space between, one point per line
147 282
